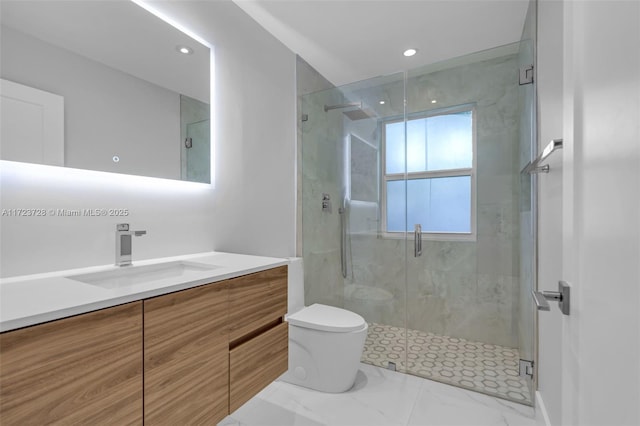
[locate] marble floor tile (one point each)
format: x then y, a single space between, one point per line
439 404
379 397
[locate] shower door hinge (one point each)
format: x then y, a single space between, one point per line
526 75
305 117
525 368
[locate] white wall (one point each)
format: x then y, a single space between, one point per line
589 216
255 128
549 87
601 213
175 214
250 210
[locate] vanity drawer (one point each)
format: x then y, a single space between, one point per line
256 363
256 300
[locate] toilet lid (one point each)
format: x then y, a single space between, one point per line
326 318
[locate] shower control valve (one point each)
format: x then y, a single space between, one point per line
326 203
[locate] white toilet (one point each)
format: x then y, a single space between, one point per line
325 343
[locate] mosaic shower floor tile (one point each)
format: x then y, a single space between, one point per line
478 366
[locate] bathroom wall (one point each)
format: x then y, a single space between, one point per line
600 341
249 209
589 92
460 288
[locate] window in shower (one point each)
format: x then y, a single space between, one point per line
439 190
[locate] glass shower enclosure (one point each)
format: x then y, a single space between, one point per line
414 215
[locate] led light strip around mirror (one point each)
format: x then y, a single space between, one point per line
212 99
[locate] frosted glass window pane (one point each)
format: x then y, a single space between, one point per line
419 196
394 158
433 143
438 204
449 141
416 147
396 206
449 205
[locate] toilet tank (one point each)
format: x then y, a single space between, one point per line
295 285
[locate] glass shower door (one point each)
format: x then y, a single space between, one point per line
350 260
195 134
527 208
437 147
464 315
198 152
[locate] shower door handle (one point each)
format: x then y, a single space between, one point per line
417 237
343 241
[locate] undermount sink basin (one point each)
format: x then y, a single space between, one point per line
135 275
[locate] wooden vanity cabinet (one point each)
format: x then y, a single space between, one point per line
258 335
85 369
186 372
188 357
209 349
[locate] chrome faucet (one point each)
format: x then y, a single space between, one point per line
123 243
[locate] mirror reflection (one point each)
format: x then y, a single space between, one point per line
103 85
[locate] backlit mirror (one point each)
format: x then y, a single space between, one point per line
103 85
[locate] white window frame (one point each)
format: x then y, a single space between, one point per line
472 172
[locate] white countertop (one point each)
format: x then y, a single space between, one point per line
34 299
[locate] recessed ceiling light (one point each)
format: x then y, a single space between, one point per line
382 102
410 52
184 49
433 101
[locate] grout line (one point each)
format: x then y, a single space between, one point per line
415 403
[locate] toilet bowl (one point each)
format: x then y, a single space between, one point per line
325 342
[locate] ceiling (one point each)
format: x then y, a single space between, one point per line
352 40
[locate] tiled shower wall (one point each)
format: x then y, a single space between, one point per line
322 173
